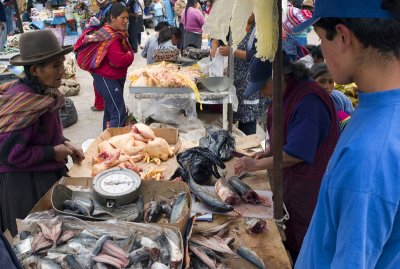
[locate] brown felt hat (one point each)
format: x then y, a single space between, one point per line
38 47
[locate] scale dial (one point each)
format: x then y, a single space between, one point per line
118 184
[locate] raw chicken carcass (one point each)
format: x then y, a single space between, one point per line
144 130
126 143
159 148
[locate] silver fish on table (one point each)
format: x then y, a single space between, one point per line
179 207
70 262
250 256
226 192
163 243
35 262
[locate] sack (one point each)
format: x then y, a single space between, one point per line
217 65
166 54
220 142
69 115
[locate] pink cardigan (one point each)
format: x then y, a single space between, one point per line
195 20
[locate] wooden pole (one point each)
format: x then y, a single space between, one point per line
277 123
18 15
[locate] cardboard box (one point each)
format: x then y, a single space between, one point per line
169 134
150 190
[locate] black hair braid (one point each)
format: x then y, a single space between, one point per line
393 6
31 81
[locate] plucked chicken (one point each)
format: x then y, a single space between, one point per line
159 148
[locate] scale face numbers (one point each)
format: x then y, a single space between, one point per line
117 183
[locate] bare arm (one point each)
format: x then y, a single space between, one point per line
248 164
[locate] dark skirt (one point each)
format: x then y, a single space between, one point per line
20 191
192 39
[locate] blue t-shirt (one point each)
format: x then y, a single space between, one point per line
342 102
356 223
307 128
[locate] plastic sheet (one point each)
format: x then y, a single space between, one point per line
170 109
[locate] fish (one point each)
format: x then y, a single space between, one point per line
143 254
214 243
215 229
152 212
226 192
107 259
254 225
24 235
223 232
179 207
250 256
134 245
246 193
207 197
40 242
175 253
211 253
140 207
163 243
70 262
158 265
66 236
99 244
165 208
79 206
51 231
229 240
115 251
203 257
35 262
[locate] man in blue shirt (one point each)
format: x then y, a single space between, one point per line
356 223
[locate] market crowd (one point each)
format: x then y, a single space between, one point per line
340 153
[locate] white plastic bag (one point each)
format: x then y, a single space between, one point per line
217 65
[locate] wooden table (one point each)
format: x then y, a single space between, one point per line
268 245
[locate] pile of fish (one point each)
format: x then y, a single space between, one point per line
232 191
53 246
203 164
174 210
210 249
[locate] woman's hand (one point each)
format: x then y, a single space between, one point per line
77 154
260 155
61 152
245 164
224 50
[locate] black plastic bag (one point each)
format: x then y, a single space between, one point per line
203 164
221 142
69 115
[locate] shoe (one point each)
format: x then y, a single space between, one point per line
93 108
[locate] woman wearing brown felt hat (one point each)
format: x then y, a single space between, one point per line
33 150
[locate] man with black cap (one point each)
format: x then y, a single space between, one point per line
310 135
356 223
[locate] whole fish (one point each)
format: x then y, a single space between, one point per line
152 212
203 257
35 262
248 194
163 243
179 207
78 207
254 225
99 244
250 256
226 192
143 254
207 197
175 253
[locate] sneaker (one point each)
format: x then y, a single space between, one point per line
93 108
